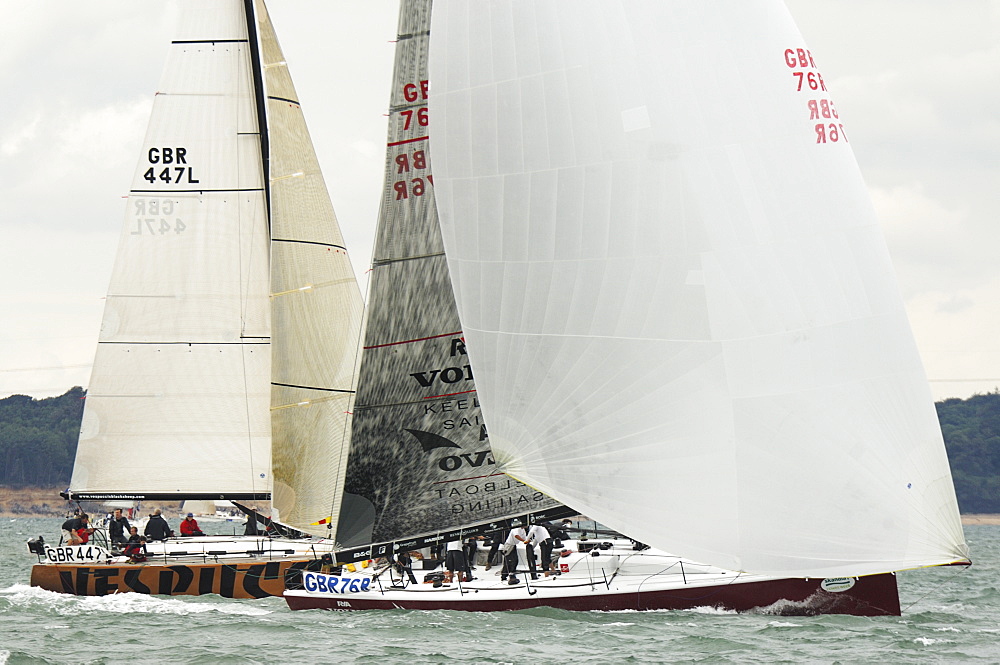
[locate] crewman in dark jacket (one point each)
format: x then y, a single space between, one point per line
118 527
157 527
71 529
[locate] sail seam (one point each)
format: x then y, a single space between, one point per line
283 99
329 390
418 339
196 343
210 41
413 140
168 496
413 35
366 407
309 242
384 262
396 109
191 191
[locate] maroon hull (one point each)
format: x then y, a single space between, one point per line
875 595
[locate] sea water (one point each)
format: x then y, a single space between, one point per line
950 615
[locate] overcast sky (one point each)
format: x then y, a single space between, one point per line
917 83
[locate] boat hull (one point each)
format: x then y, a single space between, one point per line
875 595
247 579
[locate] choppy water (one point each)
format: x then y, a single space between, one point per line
953 617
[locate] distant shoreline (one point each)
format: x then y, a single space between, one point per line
29 502
46 502
980 518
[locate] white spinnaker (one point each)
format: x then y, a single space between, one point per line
316 308
178 399
679 307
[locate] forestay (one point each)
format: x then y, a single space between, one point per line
677 300
317 312
182 372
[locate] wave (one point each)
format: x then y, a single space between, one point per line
23 596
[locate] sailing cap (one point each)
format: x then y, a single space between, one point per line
190 514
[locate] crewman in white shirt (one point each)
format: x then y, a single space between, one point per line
538 536
516 535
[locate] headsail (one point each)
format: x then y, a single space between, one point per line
182 372
420 459
316 311
677 299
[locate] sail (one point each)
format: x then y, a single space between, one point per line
201 507
178 399
420 458
316 309
679 304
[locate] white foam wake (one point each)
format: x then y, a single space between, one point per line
122 603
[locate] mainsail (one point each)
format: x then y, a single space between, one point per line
229 234
420 460
676 296
316 314
182 372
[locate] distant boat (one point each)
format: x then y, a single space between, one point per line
212 511
677 304
226 360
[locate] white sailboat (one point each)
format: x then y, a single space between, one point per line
226 363
679 307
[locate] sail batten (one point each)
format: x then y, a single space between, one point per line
678 303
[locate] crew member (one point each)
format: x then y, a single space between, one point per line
71 529
157 527
118 526
189 526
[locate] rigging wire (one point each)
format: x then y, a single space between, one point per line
950 579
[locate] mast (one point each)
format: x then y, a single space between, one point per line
259 95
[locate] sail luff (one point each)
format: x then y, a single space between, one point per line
180 378
316 308
674 289
251 13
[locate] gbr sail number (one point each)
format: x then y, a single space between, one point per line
170 166
155 217
320 583
75 554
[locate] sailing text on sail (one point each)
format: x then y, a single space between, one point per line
446 375
174 174
801 60
155 217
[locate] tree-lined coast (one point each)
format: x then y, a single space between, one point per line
38 444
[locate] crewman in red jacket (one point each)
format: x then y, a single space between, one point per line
189 526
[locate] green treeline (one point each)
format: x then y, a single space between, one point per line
38 438
38 444
971 430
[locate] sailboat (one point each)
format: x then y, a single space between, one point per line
678 306
226 363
